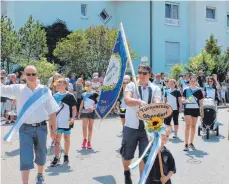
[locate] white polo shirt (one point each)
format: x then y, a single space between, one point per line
21 92
132 120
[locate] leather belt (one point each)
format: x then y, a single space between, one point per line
43 123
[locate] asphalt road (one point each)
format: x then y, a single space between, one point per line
208 164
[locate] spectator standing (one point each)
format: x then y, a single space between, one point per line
53 83
201 79
69 86
10 103
72 79
227 84
158 81
102 76
3 100
185 81
79 91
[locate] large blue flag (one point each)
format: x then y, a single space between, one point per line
114 77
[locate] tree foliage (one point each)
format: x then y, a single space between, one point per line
211 46
176 71
221 65
55 33
44 68
10 45
202 62
33 40
88 52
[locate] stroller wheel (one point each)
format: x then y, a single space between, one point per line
199 130
208 132
217 130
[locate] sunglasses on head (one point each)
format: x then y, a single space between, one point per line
31 74
143 73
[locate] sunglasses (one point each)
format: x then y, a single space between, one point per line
210 81
143 73
166 81
31 74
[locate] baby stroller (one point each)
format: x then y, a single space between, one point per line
209 121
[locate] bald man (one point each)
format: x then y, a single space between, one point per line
35 105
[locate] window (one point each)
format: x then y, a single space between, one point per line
210 13
104 15
227 19
83 10
171 10
172 53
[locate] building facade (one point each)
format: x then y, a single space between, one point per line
167 32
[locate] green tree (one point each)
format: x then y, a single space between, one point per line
33 40
211 46
227 53
176 71
202 62
10 45
89 51
221 66
55 33
44 68
72 51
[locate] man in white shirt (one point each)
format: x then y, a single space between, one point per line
134 131
33 131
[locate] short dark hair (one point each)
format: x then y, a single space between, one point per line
145 67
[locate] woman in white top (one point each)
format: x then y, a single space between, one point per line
87 113
193 100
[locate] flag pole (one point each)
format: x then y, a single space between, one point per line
128 57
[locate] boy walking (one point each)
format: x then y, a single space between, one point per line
168 163
65 119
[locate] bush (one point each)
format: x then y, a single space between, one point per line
176 71
202 62
44 68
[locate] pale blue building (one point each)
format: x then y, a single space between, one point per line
166 32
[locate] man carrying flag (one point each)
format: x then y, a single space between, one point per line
134 130
35 105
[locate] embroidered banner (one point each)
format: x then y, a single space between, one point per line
114 78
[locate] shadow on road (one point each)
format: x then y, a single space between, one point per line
177 140
105 179
213 138
54 171
13 153
85 153
197 153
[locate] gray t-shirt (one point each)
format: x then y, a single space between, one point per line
132 120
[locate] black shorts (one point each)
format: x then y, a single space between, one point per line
175 116
192 112
90 115
131 139
122 113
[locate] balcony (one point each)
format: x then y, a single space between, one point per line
171 22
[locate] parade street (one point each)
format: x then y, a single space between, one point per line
208 164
